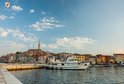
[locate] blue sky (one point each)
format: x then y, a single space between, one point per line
77 26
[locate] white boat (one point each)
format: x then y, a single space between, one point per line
69 64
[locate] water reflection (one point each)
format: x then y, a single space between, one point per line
98 75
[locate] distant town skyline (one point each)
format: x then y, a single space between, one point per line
75 26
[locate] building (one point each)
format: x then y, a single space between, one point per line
112 60
119 58
93 59
82 57
2 59
62 56
42 58
9 58
35 52
103 59
22 59
51 59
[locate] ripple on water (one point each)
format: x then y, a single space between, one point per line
98 75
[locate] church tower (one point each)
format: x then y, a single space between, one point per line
39 45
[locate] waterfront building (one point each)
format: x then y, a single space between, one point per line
10 58
24 54
22 59
2 59
82 57
119 58
93 59
63 56
103 59
112 60
42 58
51 59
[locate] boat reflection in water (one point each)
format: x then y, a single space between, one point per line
69 64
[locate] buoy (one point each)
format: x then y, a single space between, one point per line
7 4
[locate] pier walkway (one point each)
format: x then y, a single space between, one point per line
7 78
2 81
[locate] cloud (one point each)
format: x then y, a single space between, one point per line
16 8
46 23
74 42
42 45
31 11
10 46
25 37
11 17
120 51
52 46
43 13
17 34
3 33
20 40
3 17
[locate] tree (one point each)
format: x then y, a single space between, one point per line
18 54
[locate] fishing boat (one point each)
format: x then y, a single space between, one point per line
69 64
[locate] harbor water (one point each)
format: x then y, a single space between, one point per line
94 75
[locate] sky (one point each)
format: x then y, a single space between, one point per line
75 26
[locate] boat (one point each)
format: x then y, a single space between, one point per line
120 64
69 64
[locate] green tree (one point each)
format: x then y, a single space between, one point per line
18 54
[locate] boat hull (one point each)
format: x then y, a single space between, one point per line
68 67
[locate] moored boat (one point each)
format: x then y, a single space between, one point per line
69 64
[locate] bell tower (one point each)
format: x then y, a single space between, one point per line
39 44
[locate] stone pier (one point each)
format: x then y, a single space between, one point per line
21 66
7 78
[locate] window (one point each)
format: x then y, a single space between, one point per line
62 64
85 64
55 64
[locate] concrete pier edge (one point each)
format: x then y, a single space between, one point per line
8 77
